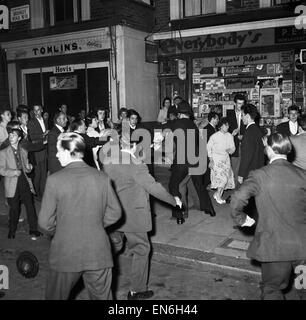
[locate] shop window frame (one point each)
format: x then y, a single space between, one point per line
177 9
77 13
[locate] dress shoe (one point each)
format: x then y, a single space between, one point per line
180 220
140 295
212 212
35 234
11 235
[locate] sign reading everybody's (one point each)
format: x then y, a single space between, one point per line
213 42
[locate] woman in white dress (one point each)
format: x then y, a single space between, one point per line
219 147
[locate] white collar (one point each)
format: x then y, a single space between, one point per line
278 157
250 124
61 129
293 123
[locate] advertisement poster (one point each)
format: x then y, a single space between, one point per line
287 86
64 83
270 102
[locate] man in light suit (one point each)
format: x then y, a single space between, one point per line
134 184
78 217
37 130
14 166
60 122
299 145
280 237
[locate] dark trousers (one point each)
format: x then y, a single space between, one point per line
22 195
97 282
178 174
40 177
275 278
139 247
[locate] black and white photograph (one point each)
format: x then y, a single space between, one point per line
152 150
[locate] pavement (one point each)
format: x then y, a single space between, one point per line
204 241
204 244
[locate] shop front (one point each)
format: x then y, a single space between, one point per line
257 63
99 67
71 69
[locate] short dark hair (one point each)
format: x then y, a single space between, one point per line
89 118
213 115
251 110
293 108
57 115
14 126
133 112
72 142
76 124
3 110
20 112
223 120
165 99
303 121
239 96
121 110
280 143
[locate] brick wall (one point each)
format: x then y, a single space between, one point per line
20 25
136 14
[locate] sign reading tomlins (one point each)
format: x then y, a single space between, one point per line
39 49
231 40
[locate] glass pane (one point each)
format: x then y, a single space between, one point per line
59 10
192 7
209 6
98 91
69 9
33 89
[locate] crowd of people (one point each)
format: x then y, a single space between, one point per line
84 188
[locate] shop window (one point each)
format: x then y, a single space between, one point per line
180 9
273 3
63 11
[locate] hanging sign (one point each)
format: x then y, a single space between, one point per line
63 69
20 13
182 69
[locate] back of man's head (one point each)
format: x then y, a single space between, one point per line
251 110
280 144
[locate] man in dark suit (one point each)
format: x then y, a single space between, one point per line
78 217
237 128
211 128
280 237
252 148
78 126
60 122
291 127
172 110
38 130
134 185
299 145
181 166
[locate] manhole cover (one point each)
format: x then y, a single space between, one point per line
236 244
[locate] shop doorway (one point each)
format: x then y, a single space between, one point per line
86 86
172 86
